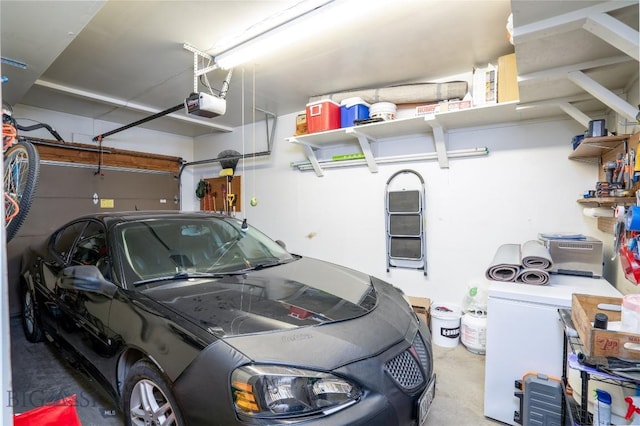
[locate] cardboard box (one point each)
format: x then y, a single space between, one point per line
422 307
508 78
301 124
458 105
430 109
485 85
441 107
598 342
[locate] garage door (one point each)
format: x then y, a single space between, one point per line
68 189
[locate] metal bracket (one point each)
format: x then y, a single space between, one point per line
197 55
439 141
365 146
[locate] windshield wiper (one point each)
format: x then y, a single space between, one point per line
263 265
180 276
257 266
184 275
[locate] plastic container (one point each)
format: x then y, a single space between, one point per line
473 331
323 115
352 109
602 408
630 313
445 324
618 394
385 110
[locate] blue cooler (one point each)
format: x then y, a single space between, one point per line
352 109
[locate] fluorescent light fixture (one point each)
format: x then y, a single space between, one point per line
301 21
327 164
14 63
293 11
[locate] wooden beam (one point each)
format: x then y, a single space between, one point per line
70 152
564 23
606 96
575 113
614 32
561 72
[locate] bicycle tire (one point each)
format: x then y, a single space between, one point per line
21 172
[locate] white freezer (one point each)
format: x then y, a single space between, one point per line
524 334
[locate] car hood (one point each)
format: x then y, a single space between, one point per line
301 293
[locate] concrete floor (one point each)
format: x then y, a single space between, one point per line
459 389
41 375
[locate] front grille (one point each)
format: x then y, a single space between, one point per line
421 351
404 369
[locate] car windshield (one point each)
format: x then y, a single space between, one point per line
179 247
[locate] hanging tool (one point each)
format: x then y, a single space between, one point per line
228 169
618 231
630 173
609 169
618 174
228 196
207 198
210 198
201 191
223 191
636 169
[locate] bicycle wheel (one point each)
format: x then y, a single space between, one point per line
21 170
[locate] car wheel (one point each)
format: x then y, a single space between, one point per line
147 398
30 321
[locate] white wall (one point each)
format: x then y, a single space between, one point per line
79 129
526 185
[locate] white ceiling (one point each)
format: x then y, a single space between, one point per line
91 57
133 51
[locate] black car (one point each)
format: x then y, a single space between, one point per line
200 319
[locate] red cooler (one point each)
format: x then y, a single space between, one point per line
323 115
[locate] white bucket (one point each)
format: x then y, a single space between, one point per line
473 332
384 110
445 324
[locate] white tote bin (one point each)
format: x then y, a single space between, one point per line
445 324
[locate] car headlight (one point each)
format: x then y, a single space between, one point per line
275 391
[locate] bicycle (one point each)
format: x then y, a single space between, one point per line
21 170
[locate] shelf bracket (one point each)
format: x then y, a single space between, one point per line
311 155
575 113
603 94
440 141
365 146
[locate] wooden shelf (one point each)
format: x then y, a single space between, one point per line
607 201
594 148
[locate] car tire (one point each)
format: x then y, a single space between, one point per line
144 380
30 320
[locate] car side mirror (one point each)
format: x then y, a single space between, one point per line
281 244
86 278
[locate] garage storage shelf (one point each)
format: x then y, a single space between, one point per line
592 149
598 151
435 124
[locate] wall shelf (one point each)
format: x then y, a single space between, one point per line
594 148
607 201
435 124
